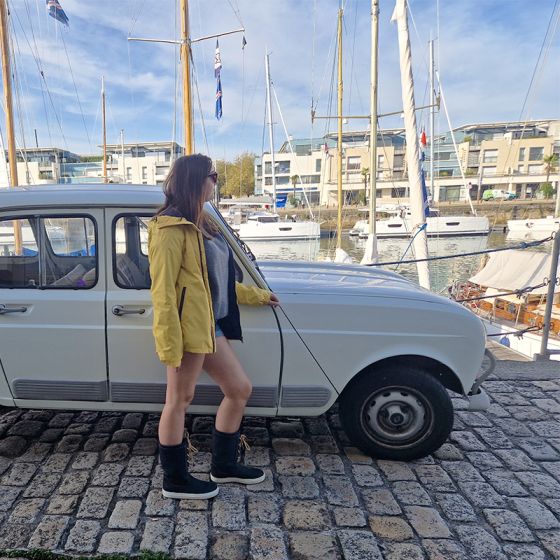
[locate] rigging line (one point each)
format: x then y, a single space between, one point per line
332 45
522 245
203 125
175 87
552 25
236 12
76 90
36 56
314 19
352 57
291 149
137 17
42 74
22 77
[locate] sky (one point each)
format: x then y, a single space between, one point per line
486 53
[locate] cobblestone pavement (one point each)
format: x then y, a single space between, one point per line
90 483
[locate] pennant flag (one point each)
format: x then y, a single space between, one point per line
219 98
423 140
56 12
243 42
217 61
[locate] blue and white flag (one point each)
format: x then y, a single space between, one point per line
55 11
217 61
219 98
217 72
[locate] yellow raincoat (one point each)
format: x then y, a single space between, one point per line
181 298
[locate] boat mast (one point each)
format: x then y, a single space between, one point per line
122 156
270 129
370 253
412 144
7 81
432 127
339 140
186 62
103 119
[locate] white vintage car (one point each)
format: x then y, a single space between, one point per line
76 326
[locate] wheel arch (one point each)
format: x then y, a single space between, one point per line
438 370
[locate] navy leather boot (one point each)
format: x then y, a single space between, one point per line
225 467
177 482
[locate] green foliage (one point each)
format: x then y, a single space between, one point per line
361 198
467 138
547 190
237 178
293 200
86 159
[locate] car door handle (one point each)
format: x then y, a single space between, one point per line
119 311
4 310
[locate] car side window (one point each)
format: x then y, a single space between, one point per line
49 252
130 252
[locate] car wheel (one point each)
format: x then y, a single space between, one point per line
398 413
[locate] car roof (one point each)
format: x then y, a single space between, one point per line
90 195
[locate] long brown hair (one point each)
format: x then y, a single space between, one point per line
184 190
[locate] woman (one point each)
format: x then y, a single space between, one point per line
195 300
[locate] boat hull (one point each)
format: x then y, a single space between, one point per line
269 231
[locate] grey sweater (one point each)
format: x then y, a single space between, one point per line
217 258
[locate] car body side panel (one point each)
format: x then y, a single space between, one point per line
352 333
5 393
305 388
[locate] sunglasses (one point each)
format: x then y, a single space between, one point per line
214 176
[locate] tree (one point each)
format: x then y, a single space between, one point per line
547 189
550 164
294 179
237 177
365 175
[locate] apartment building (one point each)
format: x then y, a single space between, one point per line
475 157
137 163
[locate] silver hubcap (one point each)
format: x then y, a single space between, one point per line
396 415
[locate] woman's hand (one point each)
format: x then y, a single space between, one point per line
274 301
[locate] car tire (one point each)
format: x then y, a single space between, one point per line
390 413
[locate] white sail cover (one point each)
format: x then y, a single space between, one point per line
515 269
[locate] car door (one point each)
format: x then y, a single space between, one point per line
137 377
52 314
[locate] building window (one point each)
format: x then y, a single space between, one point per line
268 167
129 173
536 154
490 156
144 173
354 163
283 167
535 169
268 180
521 154
380 161
488 171
259 170
45 175
398 192
521 169
317 166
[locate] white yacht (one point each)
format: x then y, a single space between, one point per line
532 227
398 223
267 226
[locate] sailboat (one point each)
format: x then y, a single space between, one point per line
267 226
395 221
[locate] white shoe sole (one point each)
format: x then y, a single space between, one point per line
246 481
187 496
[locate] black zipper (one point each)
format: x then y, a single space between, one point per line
182 301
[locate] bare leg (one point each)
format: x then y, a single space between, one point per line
224 368
181 384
